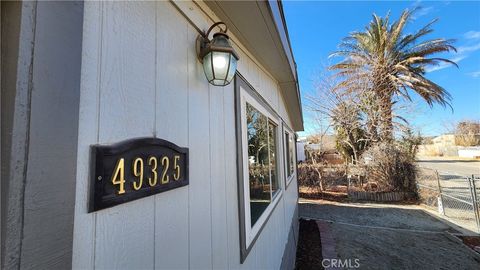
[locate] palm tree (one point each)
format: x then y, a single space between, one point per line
391 63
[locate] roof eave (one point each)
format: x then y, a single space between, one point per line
261 28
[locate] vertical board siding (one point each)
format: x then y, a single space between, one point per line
171 208
127 109
290 202
200 221
262 246
84 223
282 110
49 184
217 176
141 77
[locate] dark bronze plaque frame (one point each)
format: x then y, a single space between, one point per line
103 162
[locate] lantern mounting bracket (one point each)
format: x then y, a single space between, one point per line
205 35
203 41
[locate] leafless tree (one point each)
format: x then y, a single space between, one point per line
341 110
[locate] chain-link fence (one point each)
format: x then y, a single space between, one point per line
454 196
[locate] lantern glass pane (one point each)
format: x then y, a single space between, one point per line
219 82
207 66
220 64
233 68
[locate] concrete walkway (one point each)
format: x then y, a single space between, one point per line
381 236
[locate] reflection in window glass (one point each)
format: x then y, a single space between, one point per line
272 146
291 155
261 161
287 153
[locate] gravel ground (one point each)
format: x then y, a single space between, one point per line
391 236
376 215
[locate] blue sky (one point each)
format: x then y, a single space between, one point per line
316 28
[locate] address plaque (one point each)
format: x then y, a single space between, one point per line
134 169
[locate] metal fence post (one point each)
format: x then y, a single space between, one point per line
440 191
473 191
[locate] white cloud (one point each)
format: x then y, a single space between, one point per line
472 35
420 10
462 53
443 65
475 74
468 49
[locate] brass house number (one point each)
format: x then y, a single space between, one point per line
134 169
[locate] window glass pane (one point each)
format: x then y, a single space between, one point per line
291 149
258 162
207 66
233 68
287 153
272 146
220 62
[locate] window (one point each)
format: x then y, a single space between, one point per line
258 137
289 148
262 175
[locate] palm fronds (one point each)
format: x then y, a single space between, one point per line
392 63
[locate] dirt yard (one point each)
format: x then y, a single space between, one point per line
389 236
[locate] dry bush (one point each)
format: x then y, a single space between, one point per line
468 133
427 186
428 197
309 176
388 168
467 140
325 158
320 177
431 151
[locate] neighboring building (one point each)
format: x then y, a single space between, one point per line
469 152
301 157
324 144
82 80
444 140
445 145
456 140
451 145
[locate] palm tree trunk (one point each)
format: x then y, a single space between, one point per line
370 107
386 117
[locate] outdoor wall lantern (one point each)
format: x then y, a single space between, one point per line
217 55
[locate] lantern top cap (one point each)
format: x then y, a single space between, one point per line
219 43
221 34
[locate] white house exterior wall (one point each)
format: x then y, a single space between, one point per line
141 77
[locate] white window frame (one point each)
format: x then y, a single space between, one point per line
288 178
252 232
